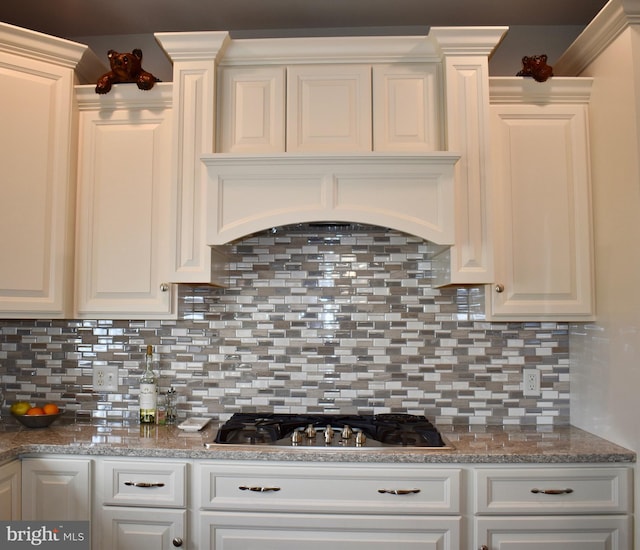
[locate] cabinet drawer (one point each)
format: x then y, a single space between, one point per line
553 490
143 483
321 488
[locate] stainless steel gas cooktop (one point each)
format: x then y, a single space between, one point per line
330 431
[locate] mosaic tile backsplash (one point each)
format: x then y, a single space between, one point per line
316 318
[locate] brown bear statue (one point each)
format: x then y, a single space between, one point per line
125 67
536 67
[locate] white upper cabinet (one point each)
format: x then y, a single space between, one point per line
541 201
122 243
37 155
407 107
328 108
252 107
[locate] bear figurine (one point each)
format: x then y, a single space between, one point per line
125 67
536 67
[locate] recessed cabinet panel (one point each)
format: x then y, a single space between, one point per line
329 108
553 490
542 213
406 107
142 529
254 531
56 489
554 533
252 106
122 215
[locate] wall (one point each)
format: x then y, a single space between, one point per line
605 355
331 319
521 40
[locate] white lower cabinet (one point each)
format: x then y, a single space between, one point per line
555 508
56 489
10 497
142 504
293 531
247 506
125 528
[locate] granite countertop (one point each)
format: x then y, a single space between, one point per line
469 444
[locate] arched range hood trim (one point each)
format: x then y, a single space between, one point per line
246 194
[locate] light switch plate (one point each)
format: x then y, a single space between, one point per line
105 378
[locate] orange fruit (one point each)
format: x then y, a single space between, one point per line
35 411
51 408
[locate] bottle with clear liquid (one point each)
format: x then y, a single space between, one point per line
148 391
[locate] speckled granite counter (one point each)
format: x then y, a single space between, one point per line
470 445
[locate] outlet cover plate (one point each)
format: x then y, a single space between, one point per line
105 378
531 382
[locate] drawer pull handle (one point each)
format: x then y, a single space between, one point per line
259 489
142 484
552 491
399 491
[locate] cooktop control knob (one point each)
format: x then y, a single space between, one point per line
347 432
310 431
361 439
328 434
296 437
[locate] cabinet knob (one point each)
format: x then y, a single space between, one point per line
177 542
484 547
164 287
499 288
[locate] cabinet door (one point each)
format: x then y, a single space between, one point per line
554 533
542 234
124 528
10 491
123 212
329 108
246 531
251 110
36 194
56 489
406 108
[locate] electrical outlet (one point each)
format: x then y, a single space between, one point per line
531 382
105 378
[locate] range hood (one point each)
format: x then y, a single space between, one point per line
234 177
410 193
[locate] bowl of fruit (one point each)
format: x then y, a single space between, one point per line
35 417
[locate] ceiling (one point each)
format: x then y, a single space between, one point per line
70 18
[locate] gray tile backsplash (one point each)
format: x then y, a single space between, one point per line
319 318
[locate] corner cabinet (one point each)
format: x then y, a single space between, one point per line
122 228
37 155
541 205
